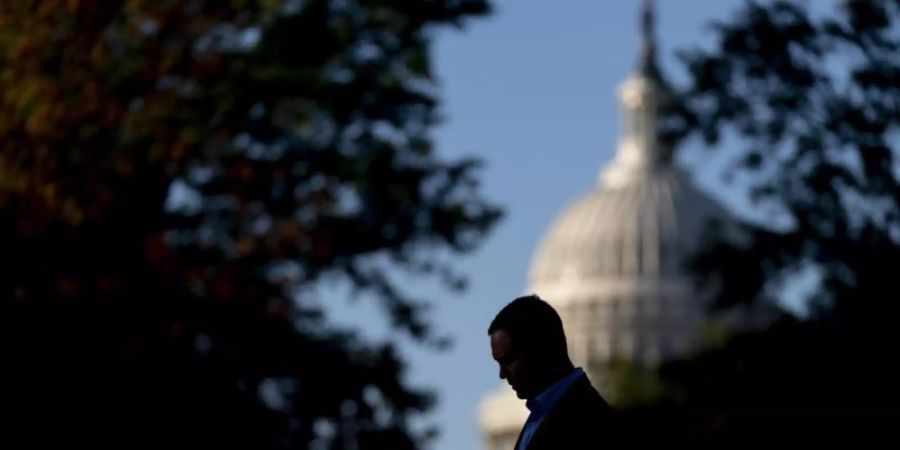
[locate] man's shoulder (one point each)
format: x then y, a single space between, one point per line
581 420
582 401
586 391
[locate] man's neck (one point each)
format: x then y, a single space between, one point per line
556 373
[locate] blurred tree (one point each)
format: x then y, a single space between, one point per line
816 101
174 178
627 384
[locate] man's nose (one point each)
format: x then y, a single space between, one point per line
502 374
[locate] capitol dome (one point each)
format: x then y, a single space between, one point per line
614 263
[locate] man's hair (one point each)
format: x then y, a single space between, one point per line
532 325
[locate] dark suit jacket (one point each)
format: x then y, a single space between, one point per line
581 420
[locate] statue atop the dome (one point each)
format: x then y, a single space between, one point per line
647 64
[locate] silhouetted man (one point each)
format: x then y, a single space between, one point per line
528 342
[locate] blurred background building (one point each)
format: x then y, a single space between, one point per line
613 263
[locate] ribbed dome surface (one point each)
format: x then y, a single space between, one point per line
645 229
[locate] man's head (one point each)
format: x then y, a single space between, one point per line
528 342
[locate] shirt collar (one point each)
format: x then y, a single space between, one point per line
546 400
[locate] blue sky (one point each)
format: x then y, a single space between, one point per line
531 91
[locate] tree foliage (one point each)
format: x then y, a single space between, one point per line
814 104
175 177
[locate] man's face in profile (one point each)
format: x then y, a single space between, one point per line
510 360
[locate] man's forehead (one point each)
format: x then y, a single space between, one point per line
501 343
